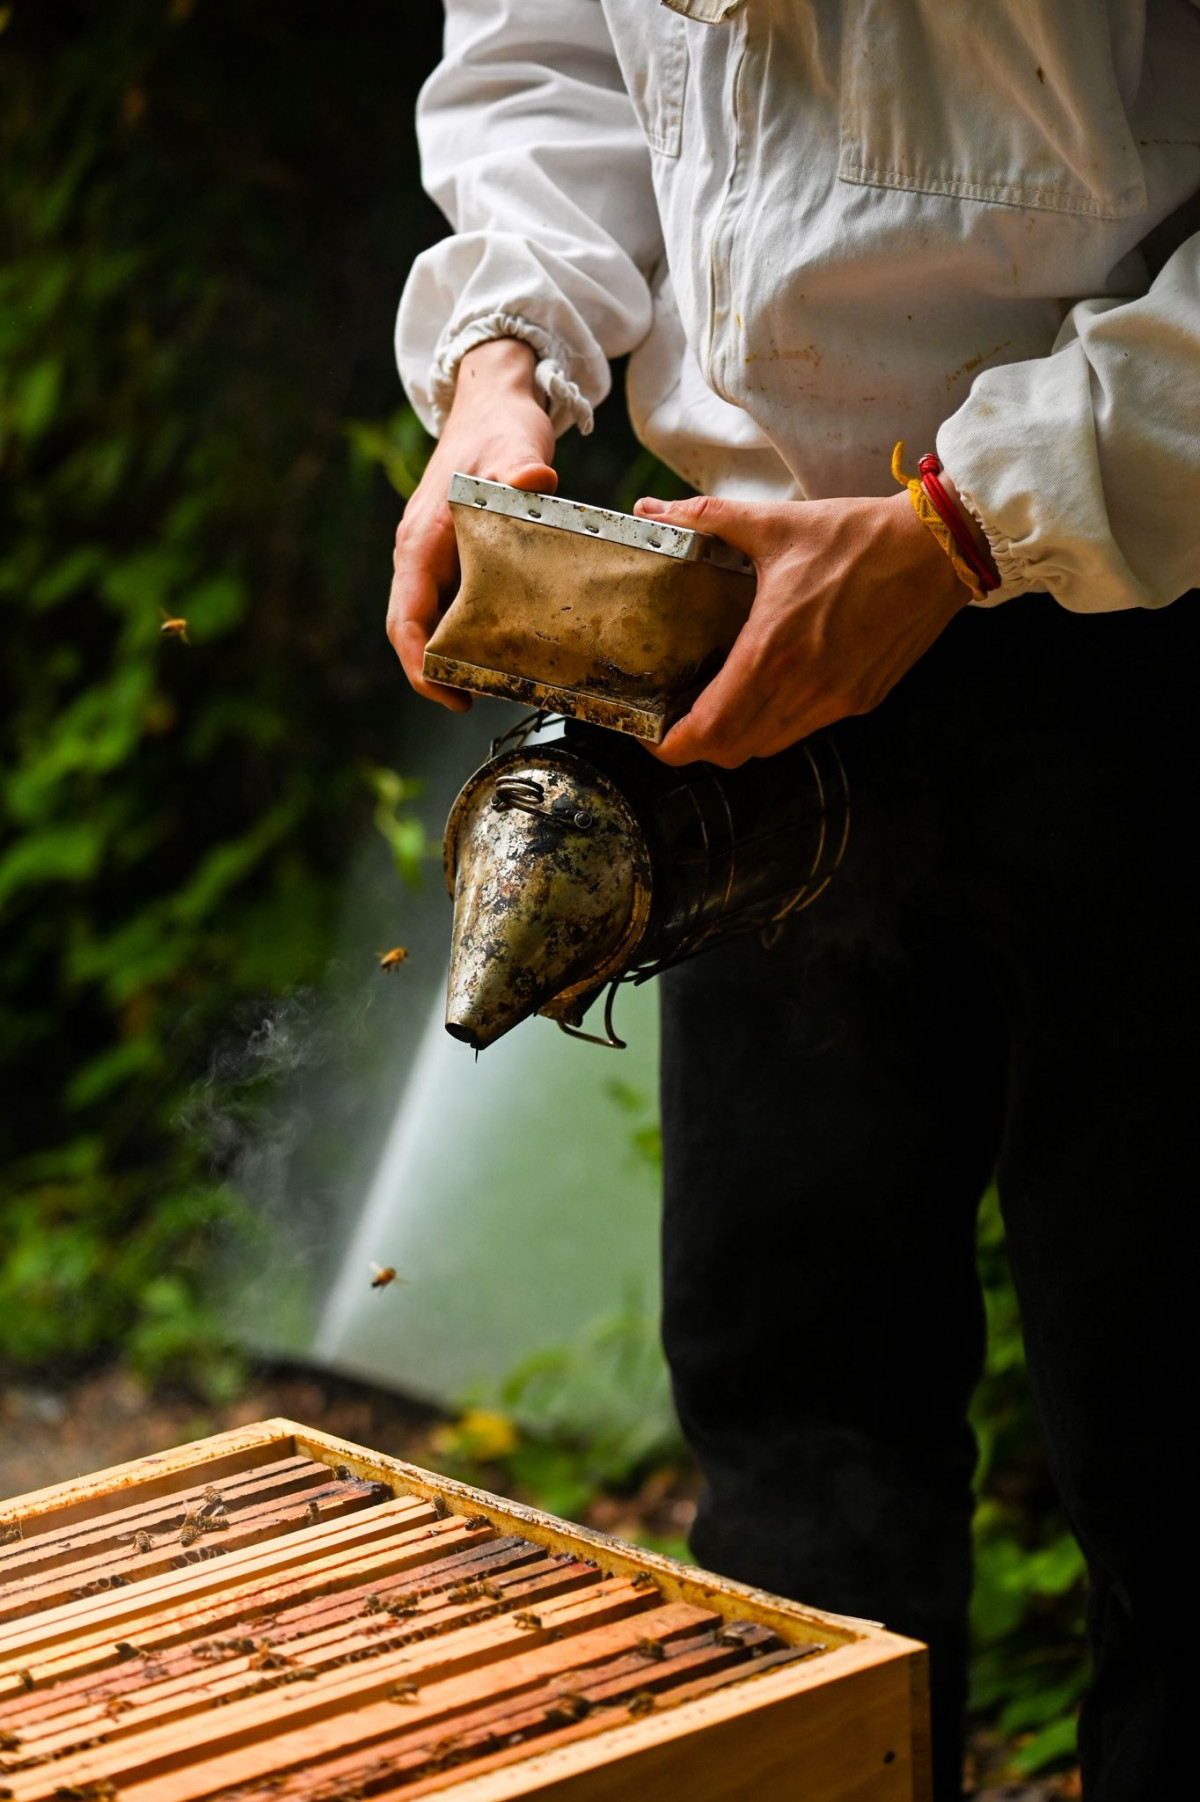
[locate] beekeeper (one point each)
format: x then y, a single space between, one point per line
817 229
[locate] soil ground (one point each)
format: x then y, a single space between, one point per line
48 1435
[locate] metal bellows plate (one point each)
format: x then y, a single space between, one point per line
589 612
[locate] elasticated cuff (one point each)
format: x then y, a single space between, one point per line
564 400
1016 576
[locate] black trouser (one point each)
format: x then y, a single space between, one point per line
1004 974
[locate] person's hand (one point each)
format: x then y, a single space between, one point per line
850 593
497 429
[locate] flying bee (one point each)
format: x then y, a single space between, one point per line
391 960
174 628
385 1274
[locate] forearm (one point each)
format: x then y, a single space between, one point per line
1084 466
531 147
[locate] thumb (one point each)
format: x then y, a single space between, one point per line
533 478
736 522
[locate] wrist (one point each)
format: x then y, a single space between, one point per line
500 365
978 535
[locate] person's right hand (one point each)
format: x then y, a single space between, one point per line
497 429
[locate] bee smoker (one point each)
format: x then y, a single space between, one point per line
581 863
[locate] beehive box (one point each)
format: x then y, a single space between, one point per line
276 1616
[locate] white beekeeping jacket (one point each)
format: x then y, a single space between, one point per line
822 225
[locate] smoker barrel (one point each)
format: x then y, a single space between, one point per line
581 861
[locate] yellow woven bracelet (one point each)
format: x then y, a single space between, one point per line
928 515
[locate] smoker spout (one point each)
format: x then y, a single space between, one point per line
545 864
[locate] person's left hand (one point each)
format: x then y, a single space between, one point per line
850 594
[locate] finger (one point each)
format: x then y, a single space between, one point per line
412 603
532 478
726 716
739 524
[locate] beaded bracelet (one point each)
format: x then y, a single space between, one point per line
934 508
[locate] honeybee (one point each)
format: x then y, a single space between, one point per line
391 960
143 1542
174 628
385 1274
569 1706
189 1535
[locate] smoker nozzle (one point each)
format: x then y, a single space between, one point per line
544 864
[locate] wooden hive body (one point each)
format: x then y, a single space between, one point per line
354 1627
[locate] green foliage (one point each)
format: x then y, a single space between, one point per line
1028 1666
645 1134
207 213
399 446
403 832
569 1423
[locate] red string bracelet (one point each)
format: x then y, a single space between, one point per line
952 518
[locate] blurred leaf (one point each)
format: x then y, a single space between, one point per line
56 854
37 396
1046 1748
399 446
114 1066
405 834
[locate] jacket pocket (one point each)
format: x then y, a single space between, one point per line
651 46
1014 101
